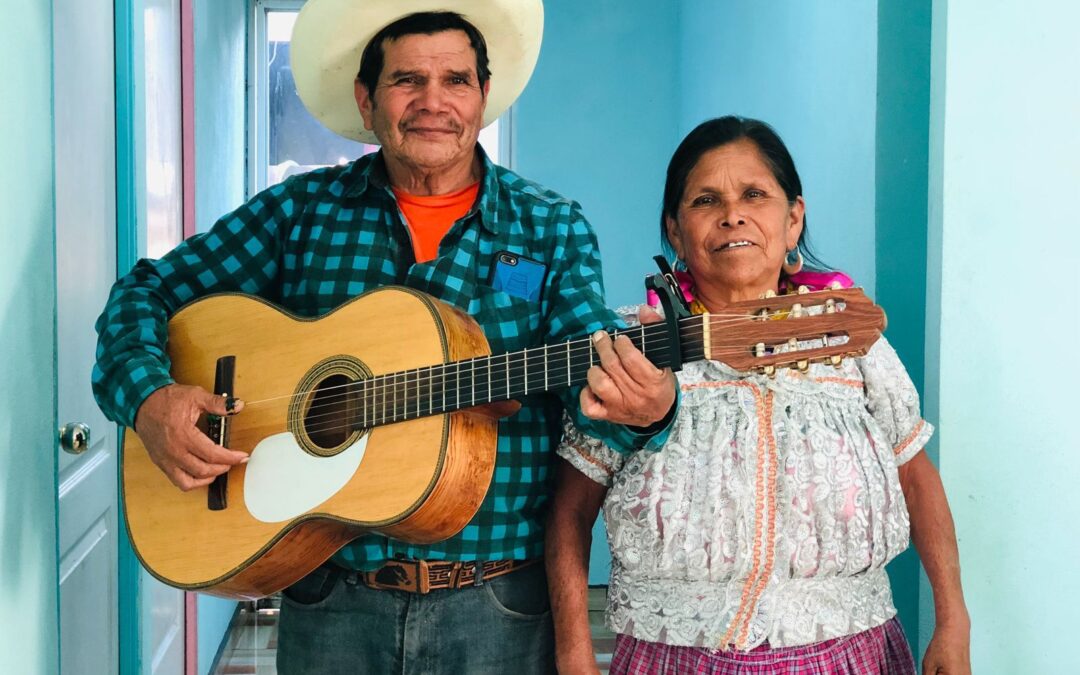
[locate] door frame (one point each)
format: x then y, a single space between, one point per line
126 255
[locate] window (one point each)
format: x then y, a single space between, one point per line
283 138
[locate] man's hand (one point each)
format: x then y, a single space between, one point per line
626 388
166 424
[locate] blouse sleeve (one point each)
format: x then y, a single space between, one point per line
893 401
588 455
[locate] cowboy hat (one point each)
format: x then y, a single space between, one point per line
330 35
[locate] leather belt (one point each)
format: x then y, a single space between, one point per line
422 576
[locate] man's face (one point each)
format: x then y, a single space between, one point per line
427 108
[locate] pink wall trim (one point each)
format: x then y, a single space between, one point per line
187 93
187 115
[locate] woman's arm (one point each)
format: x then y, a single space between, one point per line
574 509
935 539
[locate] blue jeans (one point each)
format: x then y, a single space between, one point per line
331 623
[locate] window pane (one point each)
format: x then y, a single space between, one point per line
297 141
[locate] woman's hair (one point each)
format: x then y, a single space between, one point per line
719 132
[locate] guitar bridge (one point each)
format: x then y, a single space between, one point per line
218 430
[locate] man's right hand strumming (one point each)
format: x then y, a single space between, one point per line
167 425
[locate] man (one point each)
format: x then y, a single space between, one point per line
428 211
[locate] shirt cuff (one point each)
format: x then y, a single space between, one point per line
654 436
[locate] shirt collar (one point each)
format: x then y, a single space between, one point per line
370 172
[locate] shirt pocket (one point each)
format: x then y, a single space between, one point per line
509 323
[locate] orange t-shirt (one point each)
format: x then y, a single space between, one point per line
430 218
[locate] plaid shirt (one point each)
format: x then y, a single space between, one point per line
319 239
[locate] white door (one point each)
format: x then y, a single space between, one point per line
84 137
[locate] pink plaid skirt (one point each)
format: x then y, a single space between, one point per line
878 651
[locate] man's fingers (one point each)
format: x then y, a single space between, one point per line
602 385
591 406
185 481
648 315
639 369
220 405
212 453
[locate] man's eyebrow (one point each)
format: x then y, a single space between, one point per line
466 74
398 74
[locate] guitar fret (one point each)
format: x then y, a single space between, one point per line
568 363
508 396
489 396
472 370
526 359
545 369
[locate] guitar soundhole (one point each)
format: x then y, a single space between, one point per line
324 411
327 419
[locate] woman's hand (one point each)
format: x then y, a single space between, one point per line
949 652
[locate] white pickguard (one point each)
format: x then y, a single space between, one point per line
282 481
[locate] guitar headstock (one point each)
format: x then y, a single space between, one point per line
765 334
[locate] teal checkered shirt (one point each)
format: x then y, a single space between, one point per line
321 238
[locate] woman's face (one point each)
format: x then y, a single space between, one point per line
734 224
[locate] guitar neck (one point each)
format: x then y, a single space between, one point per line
449 387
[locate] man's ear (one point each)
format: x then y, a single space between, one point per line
365 103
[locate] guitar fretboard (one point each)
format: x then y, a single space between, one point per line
444 388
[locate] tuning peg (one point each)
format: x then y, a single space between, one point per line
796 310
769 294
834 285
830 306
803 365
836 360
793 343
802 290
759 349
763 314
769 370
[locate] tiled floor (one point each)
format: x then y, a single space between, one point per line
251 643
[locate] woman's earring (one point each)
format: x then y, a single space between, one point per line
792 267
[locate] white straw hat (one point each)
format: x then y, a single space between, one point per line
330 35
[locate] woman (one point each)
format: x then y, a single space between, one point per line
755 540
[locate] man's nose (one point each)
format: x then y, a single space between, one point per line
432 97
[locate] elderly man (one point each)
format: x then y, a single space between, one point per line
429 211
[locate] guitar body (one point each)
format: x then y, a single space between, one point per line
301 496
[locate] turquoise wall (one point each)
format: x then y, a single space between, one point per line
902 163
220 33
596 123
1003 248
810 70
28 579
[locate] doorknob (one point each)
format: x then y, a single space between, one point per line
75 437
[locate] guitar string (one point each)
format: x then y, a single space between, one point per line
405 382
406 406
395 399
581 345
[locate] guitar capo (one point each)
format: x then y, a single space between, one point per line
666 286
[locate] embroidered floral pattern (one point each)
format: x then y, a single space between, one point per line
771 511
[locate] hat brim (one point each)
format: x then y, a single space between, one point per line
330 35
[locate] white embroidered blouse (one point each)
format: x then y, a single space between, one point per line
770 512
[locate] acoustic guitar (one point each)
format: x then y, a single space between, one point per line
356 424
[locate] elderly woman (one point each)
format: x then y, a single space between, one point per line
756 539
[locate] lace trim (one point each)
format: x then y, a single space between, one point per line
910 438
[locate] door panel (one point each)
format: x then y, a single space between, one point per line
84 140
